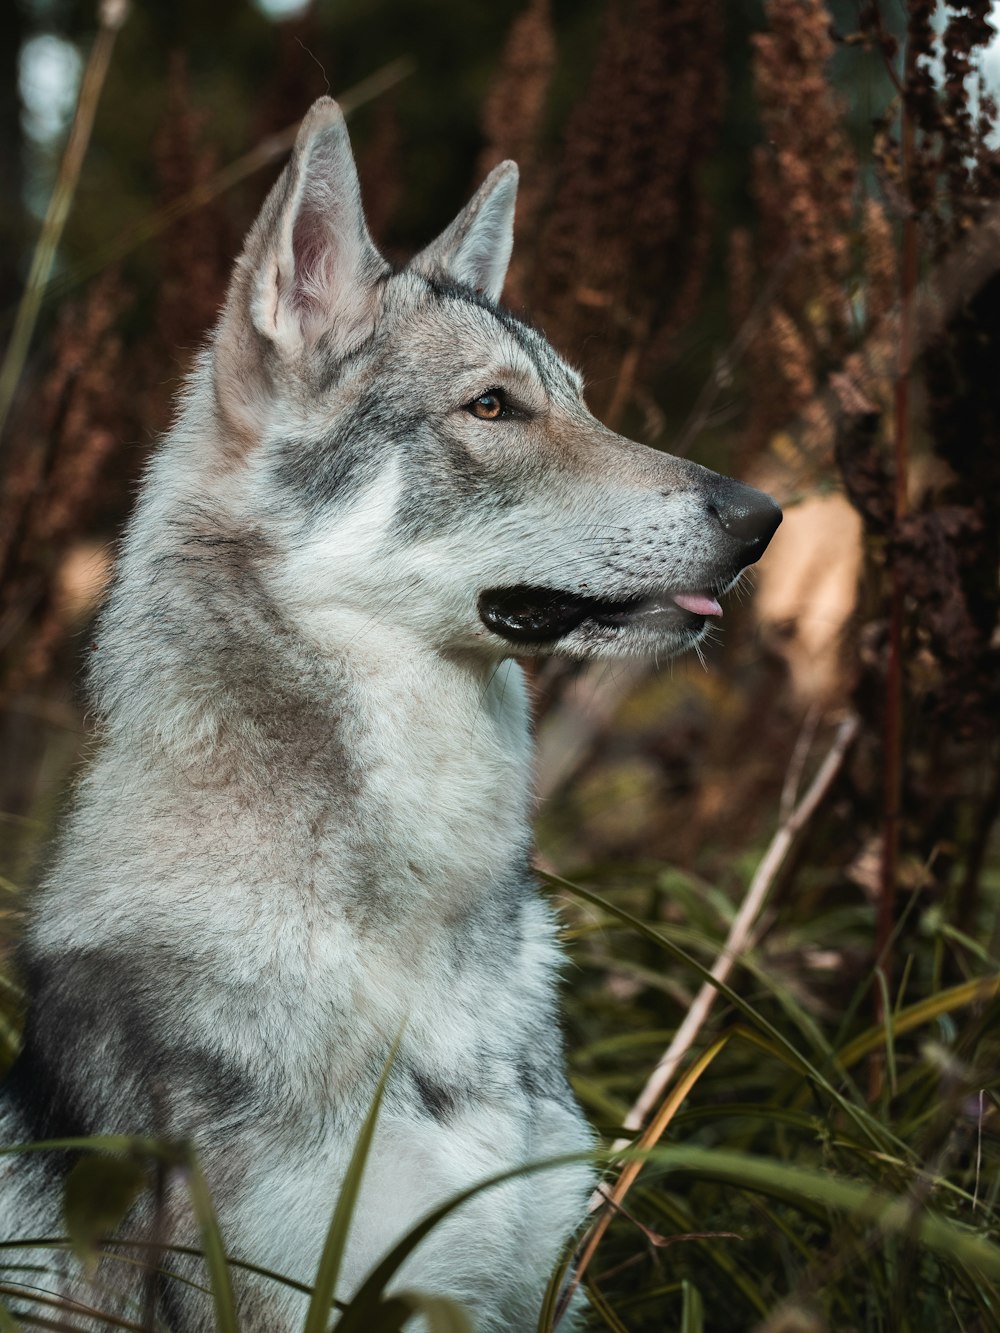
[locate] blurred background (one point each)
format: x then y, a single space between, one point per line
769 235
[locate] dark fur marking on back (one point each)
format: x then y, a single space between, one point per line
76 1036
41 1097
439 1102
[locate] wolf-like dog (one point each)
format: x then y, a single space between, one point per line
306 827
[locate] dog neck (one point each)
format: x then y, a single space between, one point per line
409 768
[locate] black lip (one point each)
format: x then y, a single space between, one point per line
524 614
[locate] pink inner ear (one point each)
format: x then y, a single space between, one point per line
314 260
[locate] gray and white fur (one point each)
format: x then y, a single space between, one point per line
306 827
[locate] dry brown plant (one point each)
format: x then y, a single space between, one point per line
804 185
91 401
805 178
512 123
195 252
57 449
626 243
853 319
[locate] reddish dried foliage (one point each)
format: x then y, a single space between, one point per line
804 184
947 552
195 252
60 440
93 402
825 360
513 118
624 251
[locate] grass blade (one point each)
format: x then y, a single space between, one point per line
693 1310
128 1243
873 1130
553 1290
99 1191
72 1309
890 1037
944 1002
211 1241
892 1214
358 1317
650 1136
604 1310
441 1315
318 1314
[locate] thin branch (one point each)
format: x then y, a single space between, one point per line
884 41
740 938
263 154
893 774
979 1151
797 763
612 1200
111 16
741 931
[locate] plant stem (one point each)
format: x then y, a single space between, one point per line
894 665
741 932
269 150
111 16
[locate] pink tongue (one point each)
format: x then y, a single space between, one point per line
698 603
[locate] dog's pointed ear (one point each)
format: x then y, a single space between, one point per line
309 251
475 249
308 265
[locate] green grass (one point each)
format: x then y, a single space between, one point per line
783 1180
822 1172
856 1163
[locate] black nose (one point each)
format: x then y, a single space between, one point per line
748 516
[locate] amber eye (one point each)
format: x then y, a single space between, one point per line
488 406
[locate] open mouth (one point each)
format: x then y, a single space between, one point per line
526 615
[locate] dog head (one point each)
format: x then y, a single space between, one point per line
424 462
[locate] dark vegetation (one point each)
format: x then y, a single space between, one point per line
771 238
